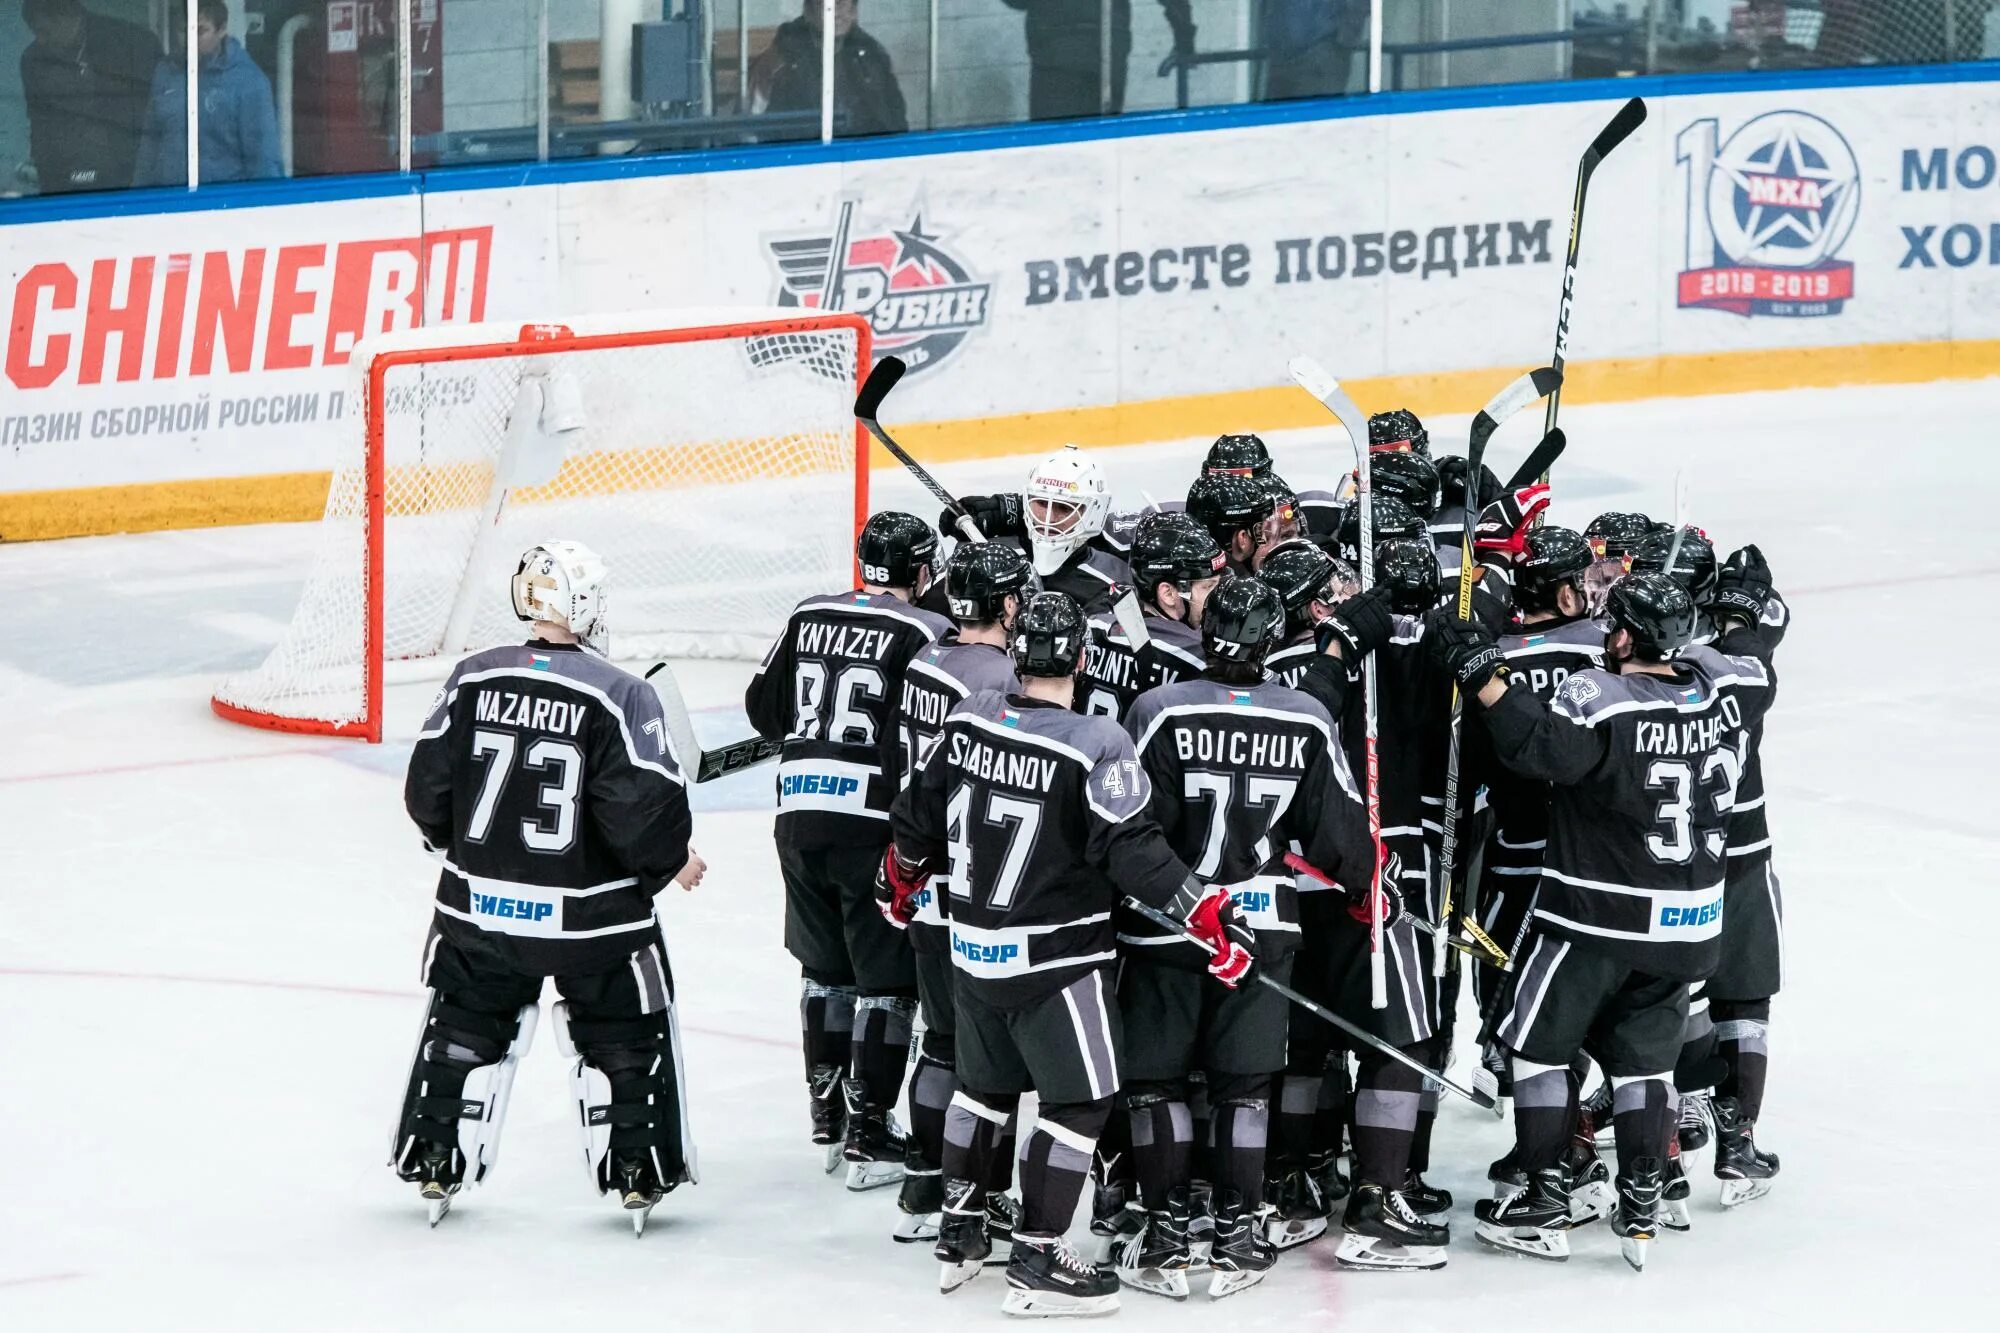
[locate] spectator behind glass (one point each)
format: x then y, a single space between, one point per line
1065 73
866 97
239 119
85 79
1312 44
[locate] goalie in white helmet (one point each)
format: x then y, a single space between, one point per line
544 779
1059 516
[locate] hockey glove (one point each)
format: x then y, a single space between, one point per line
1464 648
996 515
1216 922
1360 625
1451 480
1392 895
1504 524
897 884
1743 588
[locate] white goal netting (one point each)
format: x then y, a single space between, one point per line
709 457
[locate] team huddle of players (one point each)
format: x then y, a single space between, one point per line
1069 831
1074 793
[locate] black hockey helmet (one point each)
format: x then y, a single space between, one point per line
1694 569
1552 557
1613 534
1049 636
1409 477
1284 507
1398 430
894 546
980 576
1394 521
1408 571
1226 504
1301 572
1238 455
1173 547
1656 611
1244 620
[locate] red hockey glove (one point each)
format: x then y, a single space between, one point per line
897 884
1218 925
1503 525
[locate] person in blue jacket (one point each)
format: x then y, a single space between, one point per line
239 118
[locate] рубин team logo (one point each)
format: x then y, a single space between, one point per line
1767 213
919 299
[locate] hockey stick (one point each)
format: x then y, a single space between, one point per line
706 765
887 373
1543 383
1539 460
1313 378
1484 1101
1680 519
1619 128
1488 952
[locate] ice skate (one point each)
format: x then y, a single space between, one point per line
1384 1233
1157 1258
438 1178
1639 1210
638 1189
1240 1255
1326 1174
962 1244
1048 1278
1531 1217
1675 1193
1697 1121
1424 1199
1300 1213
829 1112
1003 1217
874 1147
1745 1170
921 1202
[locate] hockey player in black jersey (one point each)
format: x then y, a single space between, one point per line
544 779
1730 1012
1641 758
1039 816
1176 565
831 688
1241 767
1311 584
1613 536
1241 513
986 586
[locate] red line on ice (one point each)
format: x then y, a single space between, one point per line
371 992
39 1277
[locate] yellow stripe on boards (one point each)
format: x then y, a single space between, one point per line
301 496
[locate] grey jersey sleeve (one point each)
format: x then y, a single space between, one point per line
1125 841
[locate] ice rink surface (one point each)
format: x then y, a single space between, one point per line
209 947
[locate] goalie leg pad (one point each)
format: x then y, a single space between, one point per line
460 1081
627 1078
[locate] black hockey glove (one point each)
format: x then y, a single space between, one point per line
1392 895
996 515
1743 588
1464 648
1451 480
1361 624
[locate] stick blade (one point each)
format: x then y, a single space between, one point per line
1628 118
1311 376
1540 459
1528 388
888 372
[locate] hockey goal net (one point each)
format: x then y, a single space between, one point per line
711 457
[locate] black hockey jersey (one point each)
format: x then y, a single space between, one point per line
1288 662
1542 656
1239 774
938 680
832 688
1114 673
1319 512
544 776
1644 771
1039 817
1749 831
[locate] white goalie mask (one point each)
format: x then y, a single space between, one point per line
563 583
1064 505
